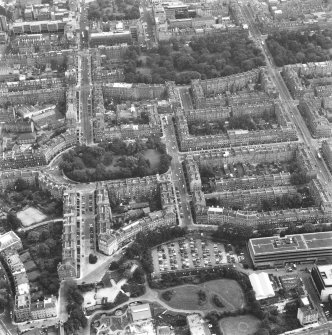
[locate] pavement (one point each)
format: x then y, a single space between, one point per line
40 224
288 101
150 296
6 325
85 97
186 102
178 178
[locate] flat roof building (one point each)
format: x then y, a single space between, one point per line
140 312
322 276
10 241
262 285
274 251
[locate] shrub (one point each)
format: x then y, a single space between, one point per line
167 295
217 301
93 259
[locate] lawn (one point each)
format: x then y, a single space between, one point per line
30 216
239 325
228 290
186 296
153 156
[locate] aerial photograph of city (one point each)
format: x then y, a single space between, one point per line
165 167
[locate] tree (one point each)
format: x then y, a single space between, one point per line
13 222
114 266
93 259
234 233
43 250
33 236
308 228
139 276
20 185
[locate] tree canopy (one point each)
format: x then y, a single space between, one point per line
86 164
211 56
290 47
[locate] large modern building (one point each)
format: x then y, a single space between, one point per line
274 251
322 276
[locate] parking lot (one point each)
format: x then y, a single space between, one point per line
190 253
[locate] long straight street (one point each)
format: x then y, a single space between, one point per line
304 136
177 173
288 101
85 97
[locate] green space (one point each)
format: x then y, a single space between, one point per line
23 195
42 249
211 56
5 292
239 325
246 122
153 156
108 10
116 160
210 174
121 270
77 319
301 199
290 47
203 296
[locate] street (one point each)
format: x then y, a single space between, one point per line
287 100
183 205
186 99
85 103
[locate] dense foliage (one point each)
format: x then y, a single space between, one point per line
86 164
22 194
93 259
114 10
211 56
45 248
290 47
4 293
76 318
246 122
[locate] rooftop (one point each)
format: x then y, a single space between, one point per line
326 273
304 242
197 325
141 312
7 240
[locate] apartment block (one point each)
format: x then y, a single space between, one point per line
327 153
318 125
43 309
261 181
193 175
111 241
133 91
